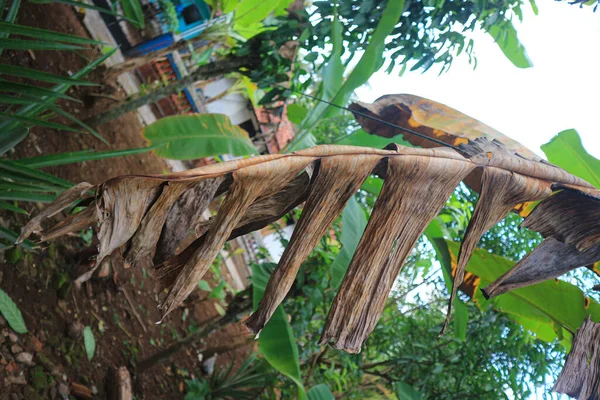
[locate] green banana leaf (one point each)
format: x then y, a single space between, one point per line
276 341
566 151
369 63
552 310
188 137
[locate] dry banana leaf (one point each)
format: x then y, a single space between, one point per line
440 122
399 217
432 120
336 181
580 377
143 216
549 260
63 201
429 118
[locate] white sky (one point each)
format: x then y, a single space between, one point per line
561 91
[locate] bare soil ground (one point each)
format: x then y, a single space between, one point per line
39 282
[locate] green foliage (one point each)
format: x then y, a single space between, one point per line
372 59
407 392
40 75
8 238
274 66
555 307
566 151
32 104
203 285
296 113
368 64
354 221
187 137
320 392
428 33
461 319
249 15
79 156
276 341
506 37
36 102
43 35
11 313
482 367
89 342
247 382
132 9
171 14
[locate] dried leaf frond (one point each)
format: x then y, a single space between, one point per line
148 218
580 376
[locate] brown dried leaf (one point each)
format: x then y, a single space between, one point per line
143 242
501 191
132 210
121 205
73 223
430 118
185 213
63 201
261 213
248 184
570 216
337 179
549 260
398 219
580 377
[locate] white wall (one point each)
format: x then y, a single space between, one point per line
235 106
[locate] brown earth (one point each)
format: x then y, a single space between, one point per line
55 312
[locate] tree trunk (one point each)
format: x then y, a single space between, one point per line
240 306
227 65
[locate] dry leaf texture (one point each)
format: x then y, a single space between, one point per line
148 218
580 377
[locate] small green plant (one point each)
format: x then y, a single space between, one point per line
171 15
248 382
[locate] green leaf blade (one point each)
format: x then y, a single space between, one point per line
132 9
20 44
553 305
276 341
10 207
364 139
36 121
566 151
44 35
89 342
320 392
406 392
11 313
21 172
29 90
505 36
461 320
354 222
188 137
41 75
